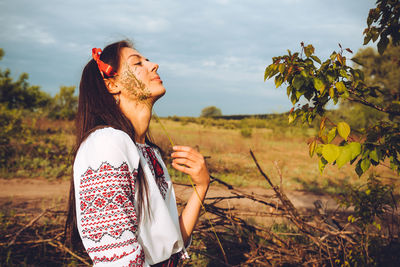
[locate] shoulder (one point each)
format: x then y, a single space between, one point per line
107 145
107 137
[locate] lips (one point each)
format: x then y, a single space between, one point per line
156 79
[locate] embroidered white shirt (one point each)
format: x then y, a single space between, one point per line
105 171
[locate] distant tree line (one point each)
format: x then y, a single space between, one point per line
20 95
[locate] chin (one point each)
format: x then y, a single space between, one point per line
157 94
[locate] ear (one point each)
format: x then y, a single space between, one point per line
112 87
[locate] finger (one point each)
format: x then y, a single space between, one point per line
187 155
181 168
183 148
188 150
183 161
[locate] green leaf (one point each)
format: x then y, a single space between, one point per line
293 99
319 85
375 34
331 134
331 76
365 153
367 38
343 73
350 218
358 169
297 81
335 99
355 149
288 90
324 139
333 56
312 148
322 126
330 152
281 68
308 50
273 71
365 164
377 225
344 156
316 59
345 95
332 92
343 130
340 87
382 44
278 81
318 149
321 165
267 72
291 117
370 19
374 155
298 94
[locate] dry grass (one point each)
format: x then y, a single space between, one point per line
228 157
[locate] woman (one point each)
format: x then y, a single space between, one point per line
122 202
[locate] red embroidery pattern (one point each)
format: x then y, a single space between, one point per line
138 260
155 167
112 246
106 208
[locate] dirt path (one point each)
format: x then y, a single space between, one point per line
42 193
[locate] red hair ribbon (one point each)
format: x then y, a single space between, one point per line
103 67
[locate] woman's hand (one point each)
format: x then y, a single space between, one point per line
191 162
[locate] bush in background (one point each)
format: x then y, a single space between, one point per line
211 111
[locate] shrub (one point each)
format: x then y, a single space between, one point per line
211 111
246 132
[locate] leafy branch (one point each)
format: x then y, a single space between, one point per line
335 80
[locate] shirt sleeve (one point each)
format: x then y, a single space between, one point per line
106 171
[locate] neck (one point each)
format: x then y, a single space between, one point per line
139 115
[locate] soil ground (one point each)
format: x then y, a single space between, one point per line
34 195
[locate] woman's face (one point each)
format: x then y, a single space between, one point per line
138 76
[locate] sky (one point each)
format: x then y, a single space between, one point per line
210 52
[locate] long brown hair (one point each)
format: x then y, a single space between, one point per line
97 109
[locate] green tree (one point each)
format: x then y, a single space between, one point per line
321 82
381 71
383 21
19 94
64 104
211 111
331 81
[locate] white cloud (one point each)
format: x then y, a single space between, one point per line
26 32
209 63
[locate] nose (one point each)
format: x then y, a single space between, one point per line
154 67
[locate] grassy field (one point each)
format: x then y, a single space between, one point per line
282 153
42 149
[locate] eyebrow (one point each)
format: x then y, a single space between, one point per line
134 55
